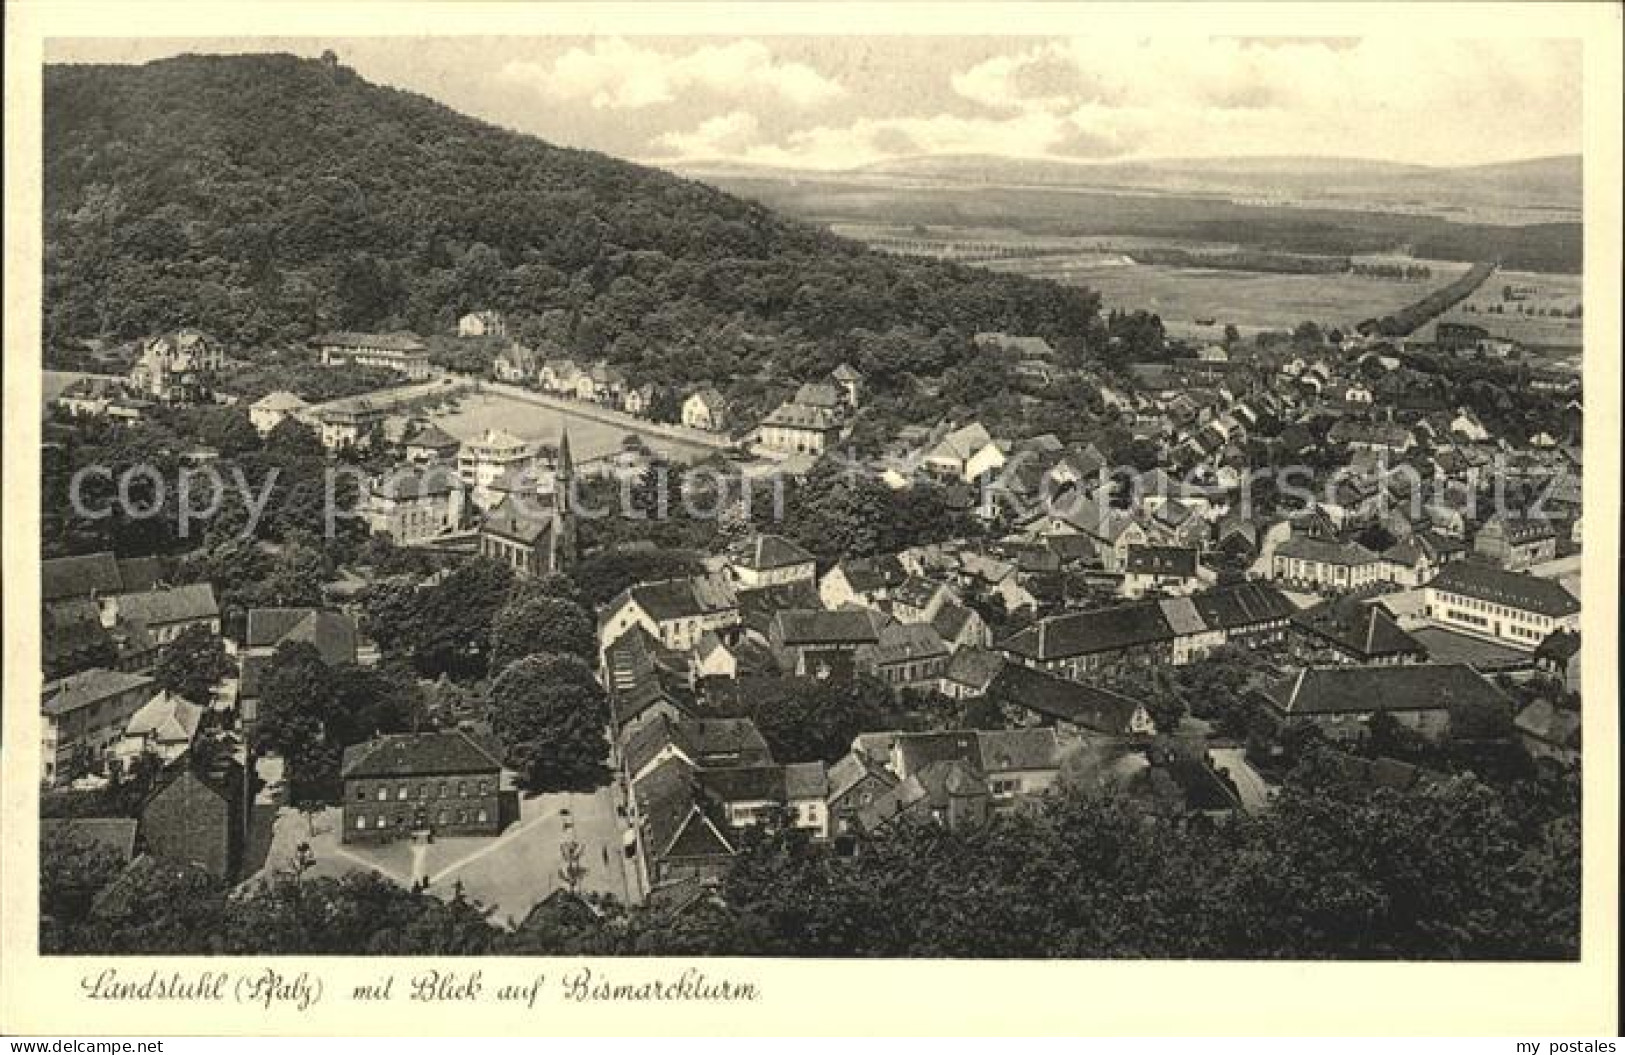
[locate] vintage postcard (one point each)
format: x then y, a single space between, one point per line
811 519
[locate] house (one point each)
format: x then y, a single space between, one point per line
855 782
1385 436
917 599
1034 697
1548 730
821 644
675 612
415 503
173 368
1410 563
1341 699
706 410
966 454
195 818
95 575
849 380
424 441
1559 657
273 408
1009 764
949 793
515 363
165 726
1515 543
796 428
1349 630
348 423
402 352
645 681
1511 607
482 462
969 672
482 324
639 400
906 655
601 384
162 615
82 716
1078 644
559 375
961 626
1466 426
701 743
866 581
806 796
679 833
745 796
1160 569
333 635
72 639
771 560
1324 564
444 782
716 658
758 607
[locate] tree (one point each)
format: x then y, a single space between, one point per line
291 438
542 624
73 869
572 871
449 626
550 715
807 720
297 700
192 665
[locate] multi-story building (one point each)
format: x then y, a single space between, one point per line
348 422
274 408
1324 564
413 503
1516 609
795 428
442 783
1516 543
482 462
401 352
85 715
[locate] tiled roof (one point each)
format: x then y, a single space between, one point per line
853 768
1367 690
167 717
332 633
280 400
1017 750
87 687
731 784
814 394
1550 724
519 519
1085 633
1067 701
179 604
766 552
1485 582
683 598
806 780
905 643
389 342
951 619
1367 631
407 482
1162 560
64 577
819 627
867 574
801 416
1325 551
974 667
672 820
706 742
757 606
419 754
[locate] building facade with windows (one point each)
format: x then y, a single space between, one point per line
1510 607
442 783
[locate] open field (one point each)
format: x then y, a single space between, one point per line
1535 291
589 438
1248 299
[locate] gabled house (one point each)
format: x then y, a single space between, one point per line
771 560
706 410
1348 630
867 581
822 644
444 782
1031 696
674 611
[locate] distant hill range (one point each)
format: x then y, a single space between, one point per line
1548 188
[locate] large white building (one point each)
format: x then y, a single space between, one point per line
484 463
1519 610
401 352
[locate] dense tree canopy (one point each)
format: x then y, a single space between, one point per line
550 714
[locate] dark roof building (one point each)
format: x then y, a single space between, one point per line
1485 582
1362 632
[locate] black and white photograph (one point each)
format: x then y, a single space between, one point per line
957 497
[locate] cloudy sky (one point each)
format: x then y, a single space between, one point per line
832 103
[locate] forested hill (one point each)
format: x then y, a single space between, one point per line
267 197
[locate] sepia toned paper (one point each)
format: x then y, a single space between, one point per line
316 996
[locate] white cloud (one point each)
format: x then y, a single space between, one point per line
726 135
616 75
1173 96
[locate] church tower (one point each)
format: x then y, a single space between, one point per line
563 555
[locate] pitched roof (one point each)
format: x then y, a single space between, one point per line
175 605
1367 690
68 694
815 394
1075 703
1367 631
86 576
1162 560
1017 750
905 643
1325 551
517 517
766 552
867 574
758 606
951 619
705 742
851 769
962 443
1085 633
731 784
408 482
673 822
393 342
973 667
418 754
332 633
166 717
1560 645
802 416
428 434
820 627
688 598
1548 723
1485 582
806 780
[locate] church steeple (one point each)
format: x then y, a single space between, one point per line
562 555
564 472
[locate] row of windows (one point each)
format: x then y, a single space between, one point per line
400 820
440 790
1499 610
